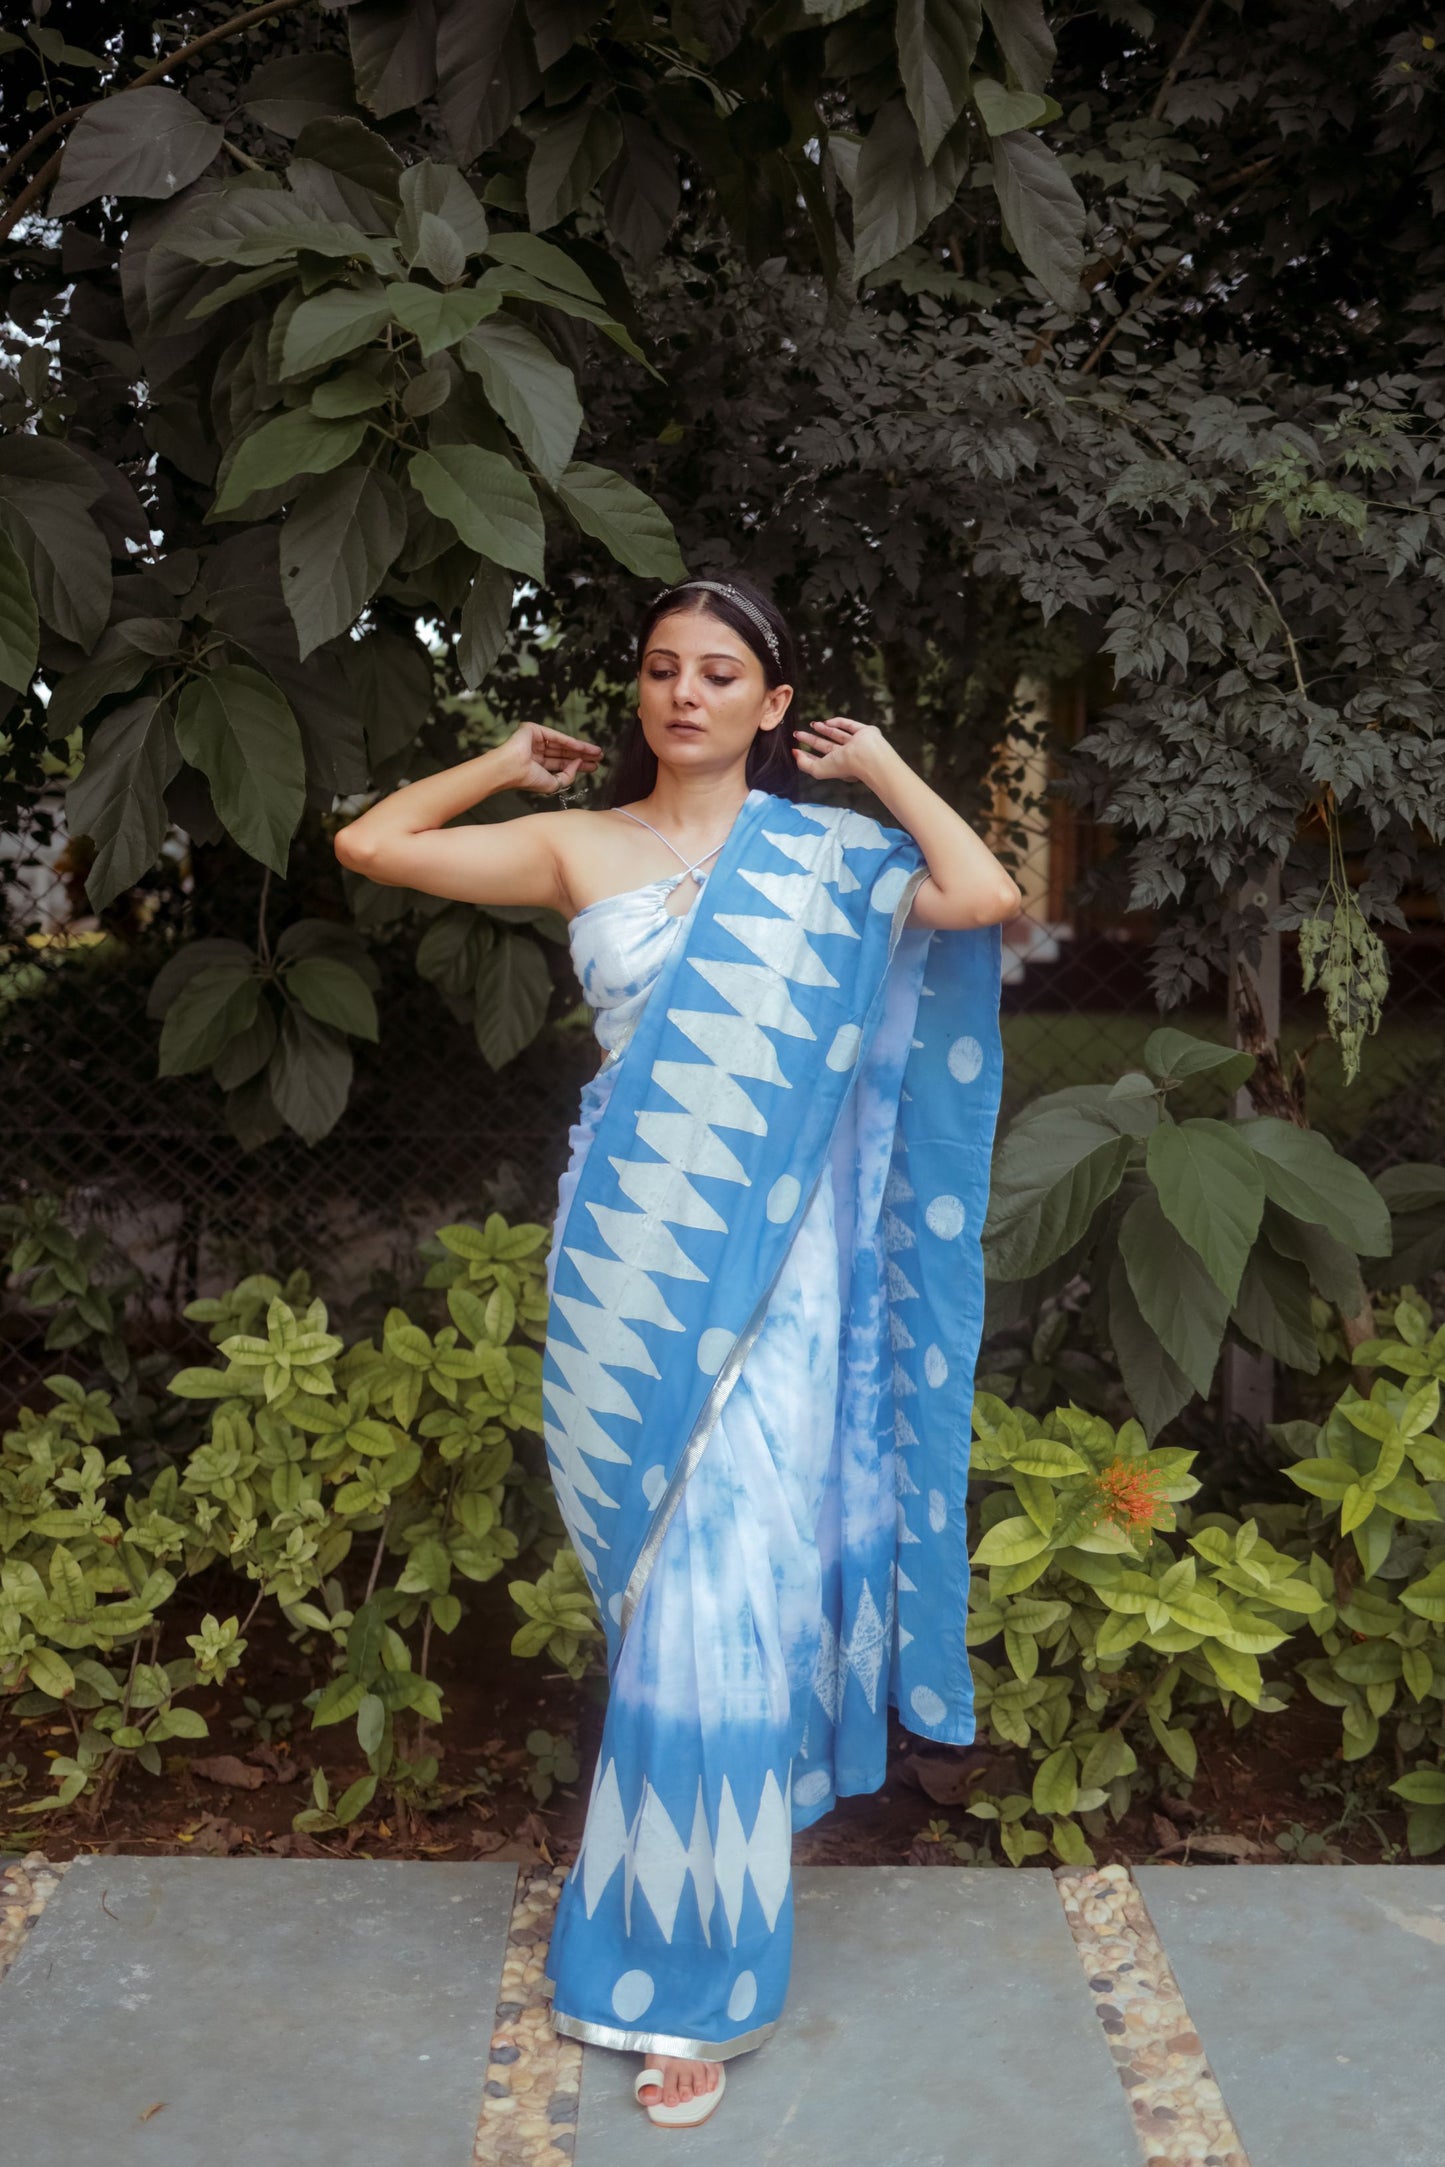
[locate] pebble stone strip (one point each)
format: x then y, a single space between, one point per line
530 2096
1179 2113
24 1891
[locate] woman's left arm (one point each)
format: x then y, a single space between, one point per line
966 885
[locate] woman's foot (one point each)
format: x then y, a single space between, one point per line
682 2079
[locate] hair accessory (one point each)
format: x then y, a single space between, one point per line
749 609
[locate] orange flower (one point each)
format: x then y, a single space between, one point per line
1127 1492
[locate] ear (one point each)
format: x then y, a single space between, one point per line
775 706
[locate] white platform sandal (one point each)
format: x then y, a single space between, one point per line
684 2113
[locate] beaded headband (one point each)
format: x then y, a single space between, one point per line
742 602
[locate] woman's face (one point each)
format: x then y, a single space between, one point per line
701 693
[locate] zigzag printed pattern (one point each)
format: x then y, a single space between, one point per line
655 1857
767 997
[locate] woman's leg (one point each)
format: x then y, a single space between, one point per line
687 1950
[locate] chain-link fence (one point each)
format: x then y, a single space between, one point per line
431 1134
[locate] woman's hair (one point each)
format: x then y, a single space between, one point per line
770 763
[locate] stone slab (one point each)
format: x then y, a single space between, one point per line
935 2017
300 2012
1319 1994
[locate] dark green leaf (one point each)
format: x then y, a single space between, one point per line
486 615
570 158
281 451
535 394
897 192
246 1053
489 502
336 547
937 40
487 72
1043 212
331 324
1155 1386
1049 1181
117 666
642 192
1024 39
437 319
354 391
1304 1174
65 554
393 50
1175 1053
512 992
438 250
441 190
117 798
148 142
266 225
179 969
309 1075
1174 1294
214 1006
356 153
1209 1188
637 532
286 93
239 731
1273 1309
1003 110
1334 1270
19 620
334 993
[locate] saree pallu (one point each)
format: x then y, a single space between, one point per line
766 1300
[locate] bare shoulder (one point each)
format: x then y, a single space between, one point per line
588 850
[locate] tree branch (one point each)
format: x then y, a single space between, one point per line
1170 79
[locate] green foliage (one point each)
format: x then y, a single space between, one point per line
310 1450
554 1761
1186 1228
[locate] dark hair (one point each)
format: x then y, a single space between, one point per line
770 763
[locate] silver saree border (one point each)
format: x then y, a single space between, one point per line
702 2050
727 1376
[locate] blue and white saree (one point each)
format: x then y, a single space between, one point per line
767 1295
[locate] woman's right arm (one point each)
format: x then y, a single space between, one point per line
403 841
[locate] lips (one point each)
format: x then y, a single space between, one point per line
686 729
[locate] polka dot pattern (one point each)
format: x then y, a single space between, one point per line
783 1198
935 1365
926 1703
713 1349
844 1050
965 1059
888 887
811 1788
945 1217
632 1995
744 1997
654 1482
937 1511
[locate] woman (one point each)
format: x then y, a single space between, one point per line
780 1169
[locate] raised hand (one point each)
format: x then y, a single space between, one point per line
548 760
840 749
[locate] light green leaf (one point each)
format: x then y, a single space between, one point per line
238 729
1010 1542
489 502
626 521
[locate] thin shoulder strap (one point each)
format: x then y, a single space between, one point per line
663 839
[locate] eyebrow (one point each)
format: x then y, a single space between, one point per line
714 654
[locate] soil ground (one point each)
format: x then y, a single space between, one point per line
1275 1789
